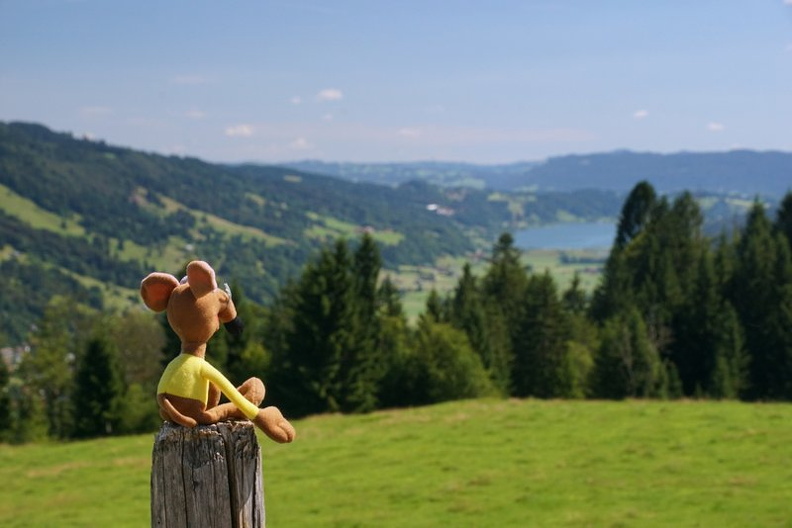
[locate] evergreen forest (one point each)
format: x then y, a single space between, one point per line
677 314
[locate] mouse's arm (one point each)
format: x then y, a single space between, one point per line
226 387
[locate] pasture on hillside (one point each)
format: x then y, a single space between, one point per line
505 463
415 282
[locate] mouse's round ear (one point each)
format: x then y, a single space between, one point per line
201 278
156 290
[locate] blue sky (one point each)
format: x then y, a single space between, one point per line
492 81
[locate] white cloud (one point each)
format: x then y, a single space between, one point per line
641 114
788 2
296 100
300 144
327 117
715 127
330 94
410 132
239 131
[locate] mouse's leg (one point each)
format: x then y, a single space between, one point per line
253 390
213 399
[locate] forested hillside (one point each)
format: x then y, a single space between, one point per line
677 314
86 219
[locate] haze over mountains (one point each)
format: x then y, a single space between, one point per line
745 172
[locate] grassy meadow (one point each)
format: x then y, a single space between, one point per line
475 463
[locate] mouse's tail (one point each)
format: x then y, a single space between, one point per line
173 413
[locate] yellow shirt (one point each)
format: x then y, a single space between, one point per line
188 376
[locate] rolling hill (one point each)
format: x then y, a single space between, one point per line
86 219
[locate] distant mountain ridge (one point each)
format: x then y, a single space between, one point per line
444 174
739 171
743 172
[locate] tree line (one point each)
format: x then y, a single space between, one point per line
676 314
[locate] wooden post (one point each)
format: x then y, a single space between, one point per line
208 476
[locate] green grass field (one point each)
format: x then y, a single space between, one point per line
503 463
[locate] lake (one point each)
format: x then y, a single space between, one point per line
594 235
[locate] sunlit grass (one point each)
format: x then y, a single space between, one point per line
328 228
539 463
505 463
28 212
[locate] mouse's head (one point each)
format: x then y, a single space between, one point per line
195 306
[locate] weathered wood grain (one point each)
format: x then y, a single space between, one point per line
208 476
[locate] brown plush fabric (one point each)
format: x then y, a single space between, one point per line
195 308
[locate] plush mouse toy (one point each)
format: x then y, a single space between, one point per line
189 390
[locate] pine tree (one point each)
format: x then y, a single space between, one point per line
627 363
393 387
506 279
388 299
583 339
365 369
753 294
277 328
328 357
614 293
434 307
99 390
779 322
574 297
783 221
728 378
624 269
485 331
319 338
503 294
541 368
635 214
708 347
